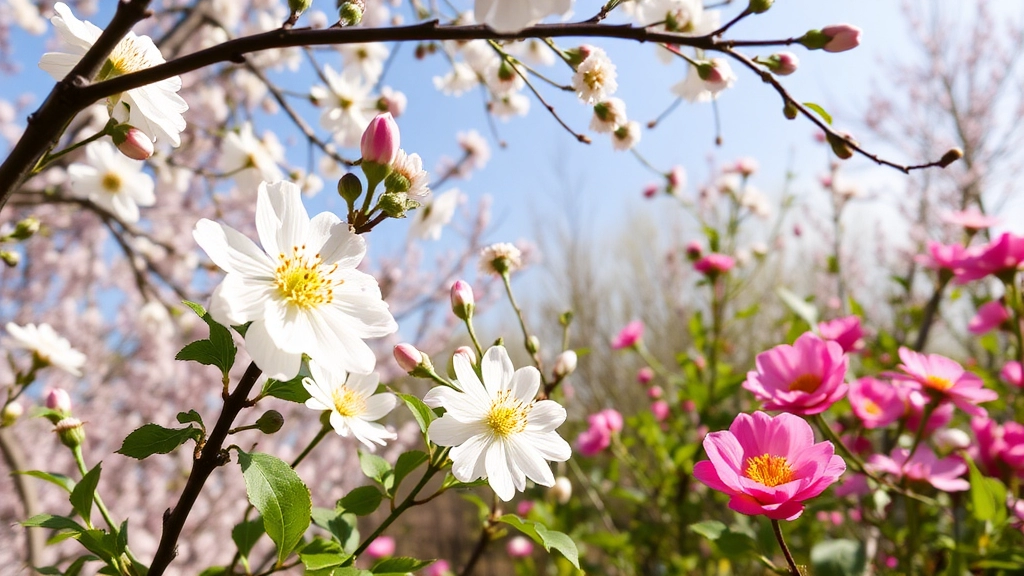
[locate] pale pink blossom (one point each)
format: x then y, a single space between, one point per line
971 219
381 547
661 410
842 37
876 403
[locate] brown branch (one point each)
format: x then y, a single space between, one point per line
211 458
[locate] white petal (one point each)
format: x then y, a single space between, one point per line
370 433
470 382
525 383
332 343
290 328
545 416
531 461
340 424
363 384
468 462
124 208
447 431
232 251
502 472
238 300
320 393
496 368
281 219
378 406
549 444
274 362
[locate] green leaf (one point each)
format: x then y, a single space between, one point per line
350 571
53 523
375 467
420 411
399 565
710 529
362 501
988 496
61 480
155 439
805 310
838 558
821 112
84 493
342 525
75 568
219 350
190 416
407 462
245 535
547 538
277 492
290 391
320 554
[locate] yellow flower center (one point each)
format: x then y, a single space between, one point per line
128 56
805 383
872 408
769 470
111 182
507 415
938 383
305 281
347 402
595 78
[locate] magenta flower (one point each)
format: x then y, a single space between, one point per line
915 402
714 264
1000 449
971 219
381 140
768 465
990 316
645 375
944 377
661 410
804 379
1012 373
943 257
608 419
629 336
999 257
844 331
876 403
598 436
944 474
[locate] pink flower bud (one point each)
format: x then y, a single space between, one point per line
629 335
843 37
381 140
134 144
785 63
747 166
714 264
655 392
660 410
58 399
650 191
688 405
381 547
467 352
408 357
519 547
694 250
524 507
645 375
462 300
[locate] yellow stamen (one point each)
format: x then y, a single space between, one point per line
805 383
305 281
938 383
872 408
507 415
111 182
347 402
769 470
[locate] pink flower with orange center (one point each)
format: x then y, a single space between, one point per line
876 403
924 466
847 332
946 379
768 465
804 379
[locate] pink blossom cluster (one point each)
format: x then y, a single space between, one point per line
598 435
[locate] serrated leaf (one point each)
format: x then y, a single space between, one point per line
61 480
84 494
320 554
820 111
203 352
407 462
246 534
362 501
277 492
373 466
399 565
155 439
547 538
420 411
190 416
805 310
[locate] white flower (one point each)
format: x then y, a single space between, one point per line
497 429
696 89
352 403
512 15
461 79
608 115
533 51
478 153
594 79
364 60
430 219
410 166
304 294
682 16
155 109
500 258
626 136
250 160
508 105
346 102
46 344
112 181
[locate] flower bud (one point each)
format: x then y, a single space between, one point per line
661 410
655 392
350 188
11 259
834 38
576 56
783 63
759 6
381 140
299 6
840 145
519 547
463 302
565 364
133 143
350 12
395 182
790 110
381 547
11 413
57 399
408 357
396 204
467 352
562 490
532 344
645 375
71 432
951 156
270 422
24 229
694 250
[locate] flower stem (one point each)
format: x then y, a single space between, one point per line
409 502
472 336
522 325
48 158
785 549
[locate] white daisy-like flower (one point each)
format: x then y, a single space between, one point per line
44 342
155 109
594 79
250 160
410 167
112 181
365 60
505 106
346 103
302 292
354 406
682 16
461 79
497 429
430 219
608 115
626 136
500 258
512 15
478 152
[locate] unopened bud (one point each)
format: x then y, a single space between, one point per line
790 110
576 56
381 140
561 491
11 413
565 319
396 182
24 229
11 259
759 6
951 156
840 145
408 357
950 439
565 364
132 142
396 204
655 392
532 344
350 188
519 547
270 422
58 399
299 6
783 63
463 302
835 38
694 250
467 352
71 432
350 12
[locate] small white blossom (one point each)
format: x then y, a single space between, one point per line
500 258
354 406
512 15
626 136
608 115
112 181
693 88
594 79
364 60
509 105
461 79
346 103
250 160
45 344
430 219
478 152
410 166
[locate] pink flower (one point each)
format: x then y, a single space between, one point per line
661 410
645 375
1002 255
939 375
714 264
381 547
990 316
655 392
942 257
971 219
804 379
519 547
1000 449
524 508
438 568
1012 374
608 419
844 331
843 37
768 465
943 474
651 190
876 403
629 336
915 402
381 140
593 440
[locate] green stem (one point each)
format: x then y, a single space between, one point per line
83 469
48 158
472 336
717 309
324 430
785 549
522 325
914 529
408 502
